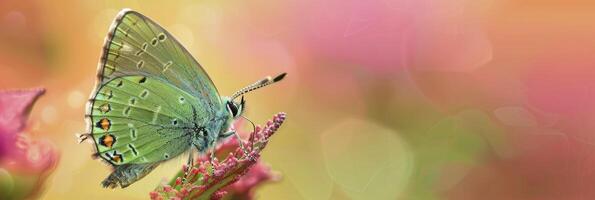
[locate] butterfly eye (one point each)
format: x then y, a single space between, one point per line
232 108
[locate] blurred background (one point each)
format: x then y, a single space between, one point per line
386 99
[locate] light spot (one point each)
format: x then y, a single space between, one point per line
132 101
114 56
140 64
117 45
166 65
143 50
105 108
144 93
15 20
109 69
76 99
49 114
126 111
156 114
108 94
34 153
133 134
121 31
127 48
7 179
344 142
162 37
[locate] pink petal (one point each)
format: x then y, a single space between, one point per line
15 107
14 110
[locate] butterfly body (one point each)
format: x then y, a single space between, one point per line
153 101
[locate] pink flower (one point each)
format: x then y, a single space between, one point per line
235 176
24 163
244 188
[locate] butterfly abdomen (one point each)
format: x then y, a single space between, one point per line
124 175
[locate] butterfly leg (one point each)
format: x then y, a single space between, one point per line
233 132
189 165
214 147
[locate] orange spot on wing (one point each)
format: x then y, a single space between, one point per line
105 124
117 158
108 141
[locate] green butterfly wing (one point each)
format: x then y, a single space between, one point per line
140 120
150 95
138 46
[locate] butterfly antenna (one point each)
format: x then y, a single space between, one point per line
264 82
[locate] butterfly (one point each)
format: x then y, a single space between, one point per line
153 101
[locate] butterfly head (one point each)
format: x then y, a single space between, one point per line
235 108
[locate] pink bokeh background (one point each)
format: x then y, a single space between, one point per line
487 99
